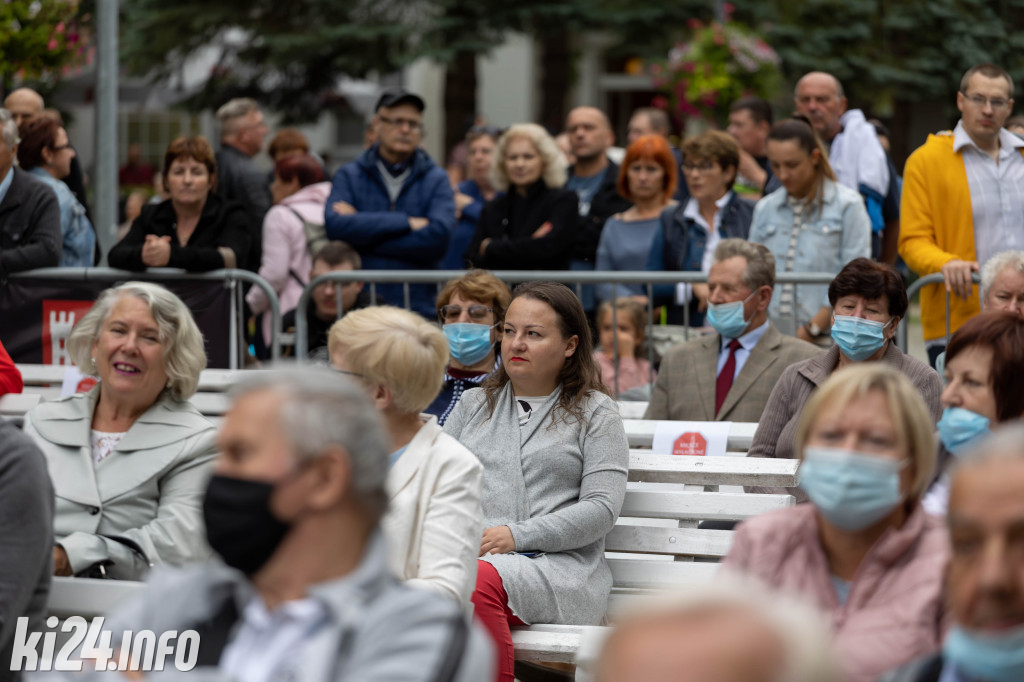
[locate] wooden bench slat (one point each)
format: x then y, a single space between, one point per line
17 404
668 541
640 574
732 470
549 643
87 597
665 504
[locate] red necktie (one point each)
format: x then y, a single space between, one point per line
724 382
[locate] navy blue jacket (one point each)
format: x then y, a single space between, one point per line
679 244
380 230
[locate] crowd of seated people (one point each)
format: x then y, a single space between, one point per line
468 454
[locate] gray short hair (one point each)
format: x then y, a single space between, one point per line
760 270
321 409
801 629
9 129
184 355
233 110
997 263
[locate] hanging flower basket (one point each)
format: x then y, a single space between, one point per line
721 63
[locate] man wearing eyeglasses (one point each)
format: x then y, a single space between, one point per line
393 204
963 201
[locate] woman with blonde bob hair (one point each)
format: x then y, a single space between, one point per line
129 459
532 225
433 522
863 550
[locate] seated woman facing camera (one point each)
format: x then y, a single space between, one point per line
196 229
433 521
863 550
470 308
555 459
129 459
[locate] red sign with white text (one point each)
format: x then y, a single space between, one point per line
690 443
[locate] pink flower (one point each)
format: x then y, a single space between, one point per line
52 45
659 102
719 39
694 24
727 9
689 67
59 28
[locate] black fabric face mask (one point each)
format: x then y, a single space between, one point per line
239 524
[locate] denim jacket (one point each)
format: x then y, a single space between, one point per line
77 235
827 241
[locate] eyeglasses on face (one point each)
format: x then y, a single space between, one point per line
703 167
401 123
476 312
979 101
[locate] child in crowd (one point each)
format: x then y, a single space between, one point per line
633 368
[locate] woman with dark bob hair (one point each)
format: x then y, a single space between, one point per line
868 301
44 151
555 458
984 367
687 234
195 229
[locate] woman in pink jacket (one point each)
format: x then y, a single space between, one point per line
863 550
300 192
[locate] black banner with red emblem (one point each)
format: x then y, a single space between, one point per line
37 315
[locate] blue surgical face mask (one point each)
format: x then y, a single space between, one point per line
959 429
858 338
984 656
727 318
851 490
469 343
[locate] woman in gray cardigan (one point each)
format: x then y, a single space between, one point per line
555 459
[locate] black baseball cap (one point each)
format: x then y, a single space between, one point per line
392 98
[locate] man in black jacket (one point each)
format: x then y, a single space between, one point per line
593 178
30 234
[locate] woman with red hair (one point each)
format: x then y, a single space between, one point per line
647 178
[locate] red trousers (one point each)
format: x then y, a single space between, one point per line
490 602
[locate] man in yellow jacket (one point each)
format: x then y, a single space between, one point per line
963 201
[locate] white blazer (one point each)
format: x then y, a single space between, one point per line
434 523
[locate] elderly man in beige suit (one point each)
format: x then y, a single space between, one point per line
729 375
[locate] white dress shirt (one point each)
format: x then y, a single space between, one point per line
997 192
268 642
747 343
684 292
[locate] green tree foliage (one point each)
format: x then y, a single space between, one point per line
885 50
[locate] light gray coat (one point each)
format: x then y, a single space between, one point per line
377 630
149 489
559 488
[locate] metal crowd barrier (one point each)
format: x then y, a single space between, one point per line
569 277
913 290
230 277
